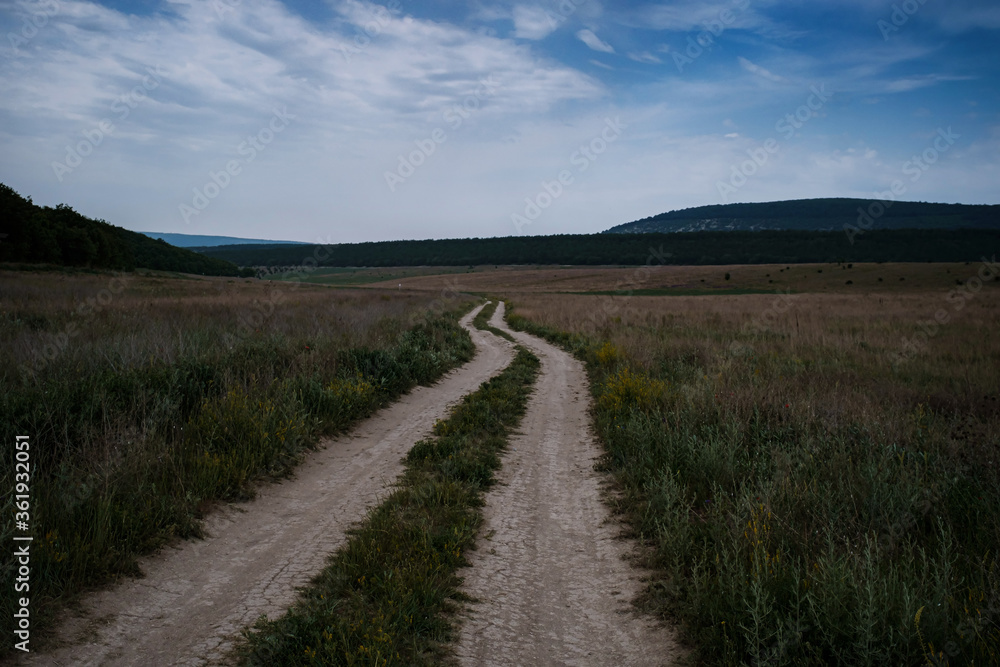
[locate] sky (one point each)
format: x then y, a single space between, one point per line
348 121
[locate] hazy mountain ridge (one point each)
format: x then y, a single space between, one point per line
210 241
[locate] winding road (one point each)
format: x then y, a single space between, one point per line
197 595
549 569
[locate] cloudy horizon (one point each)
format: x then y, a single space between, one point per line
348 121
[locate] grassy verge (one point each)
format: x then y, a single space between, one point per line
807 502
384 597
482 320
129 446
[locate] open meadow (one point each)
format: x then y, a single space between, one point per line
147 398
817 475
807 454
656 278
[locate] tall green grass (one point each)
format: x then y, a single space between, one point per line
385 596
126 456
786 530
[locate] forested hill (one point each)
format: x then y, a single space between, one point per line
61 236
939 245
816 215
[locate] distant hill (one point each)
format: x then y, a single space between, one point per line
814 215
738 247
33 234
199 241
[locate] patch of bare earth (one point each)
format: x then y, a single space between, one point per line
549 571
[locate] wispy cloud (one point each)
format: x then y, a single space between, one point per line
760 71
915 82
645 57
593 41
368 85
694 15
532 22
223 75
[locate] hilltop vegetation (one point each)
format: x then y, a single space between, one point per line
61 236
815 215
765 247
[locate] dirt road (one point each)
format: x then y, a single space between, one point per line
548 569
196 596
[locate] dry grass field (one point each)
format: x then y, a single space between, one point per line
865 278
354 276
147 398
818 474
810 452
111 311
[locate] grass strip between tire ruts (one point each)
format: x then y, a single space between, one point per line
482 321
385 596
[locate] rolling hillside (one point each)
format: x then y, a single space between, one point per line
60 236
815 215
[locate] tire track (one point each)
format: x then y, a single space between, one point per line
197 595
550 574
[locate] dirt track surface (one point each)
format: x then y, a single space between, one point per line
549 570
197 595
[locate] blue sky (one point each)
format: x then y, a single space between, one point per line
350 121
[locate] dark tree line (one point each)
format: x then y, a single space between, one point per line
764 247
61 236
